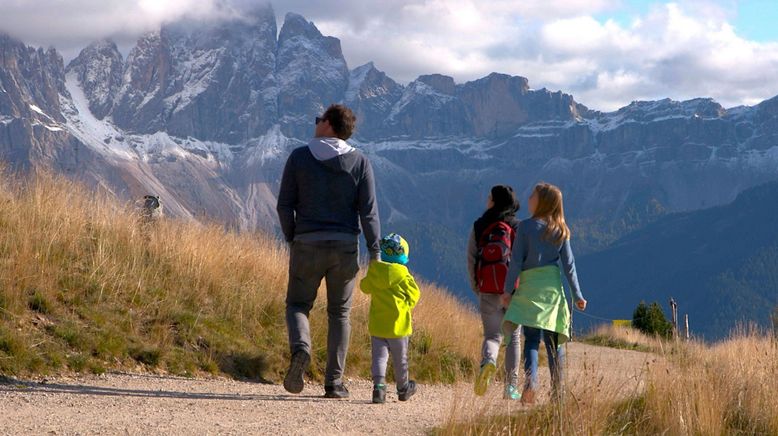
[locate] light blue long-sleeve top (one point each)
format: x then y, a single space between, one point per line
531 250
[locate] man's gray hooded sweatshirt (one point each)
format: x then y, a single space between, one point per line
327 191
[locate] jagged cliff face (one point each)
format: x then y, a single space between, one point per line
204 115
99 69
214 82
311 74
31 84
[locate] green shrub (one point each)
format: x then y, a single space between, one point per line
650 319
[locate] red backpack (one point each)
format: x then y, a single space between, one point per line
494 257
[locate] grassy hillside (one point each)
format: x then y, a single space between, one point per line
84 287
720 264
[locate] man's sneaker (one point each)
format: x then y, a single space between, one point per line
336 391
511 393
294 382
379 394
407 393
484 378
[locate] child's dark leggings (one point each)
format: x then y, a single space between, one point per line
556 357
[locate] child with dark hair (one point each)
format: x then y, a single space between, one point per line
488 260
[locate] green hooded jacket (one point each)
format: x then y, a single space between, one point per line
393 293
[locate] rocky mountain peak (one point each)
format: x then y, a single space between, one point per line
367 82
497 103
518 83
138 105
98 68
768 110
31 81
371 94
357 77
439 82
704 107
667 108
311 72
295 25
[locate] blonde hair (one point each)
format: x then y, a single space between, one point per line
550 209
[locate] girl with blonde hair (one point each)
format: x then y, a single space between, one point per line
540 253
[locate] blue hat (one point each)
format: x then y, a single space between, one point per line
394 249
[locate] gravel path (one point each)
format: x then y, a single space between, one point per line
149 404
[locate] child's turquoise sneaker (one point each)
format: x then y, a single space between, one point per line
484 378
511 393
379 394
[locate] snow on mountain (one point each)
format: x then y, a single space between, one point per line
104 137
371 94
270 146
101 135
205 114
356 79
311 73
99 69
433 99
196 71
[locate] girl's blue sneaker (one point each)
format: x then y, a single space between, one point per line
484 378
511 393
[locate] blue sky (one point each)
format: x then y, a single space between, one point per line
756 20
607 53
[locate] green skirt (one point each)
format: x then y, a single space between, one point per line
540 302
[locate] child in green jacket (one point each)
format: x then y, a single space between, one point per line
394 293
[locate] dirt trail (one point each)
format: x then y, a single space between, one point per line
147 404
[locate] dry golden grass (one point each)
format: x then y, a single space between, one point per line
622 337
725 388
84 287
687 389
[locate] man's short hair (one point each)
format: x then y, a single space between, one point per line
342 120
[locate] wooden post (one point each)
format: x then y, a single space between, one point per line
686 322
674 311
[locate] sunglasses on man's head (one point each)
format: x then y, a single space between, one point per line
319 120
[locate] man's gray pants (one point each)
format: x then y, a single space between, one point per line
337 262
398 347
492 314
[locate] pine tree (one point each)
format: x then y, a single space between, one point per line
640 317
650 319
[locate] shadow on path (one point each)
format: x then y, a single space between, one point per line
14 385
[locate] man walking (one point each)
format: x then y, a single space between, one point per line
327 192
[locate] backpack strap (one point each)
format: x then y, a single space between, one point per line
488 231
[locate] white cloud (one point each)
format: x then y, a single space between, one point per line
680 51
70 25
677 50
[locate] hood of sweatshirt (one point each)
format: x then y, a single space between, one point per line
334 153
383 275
